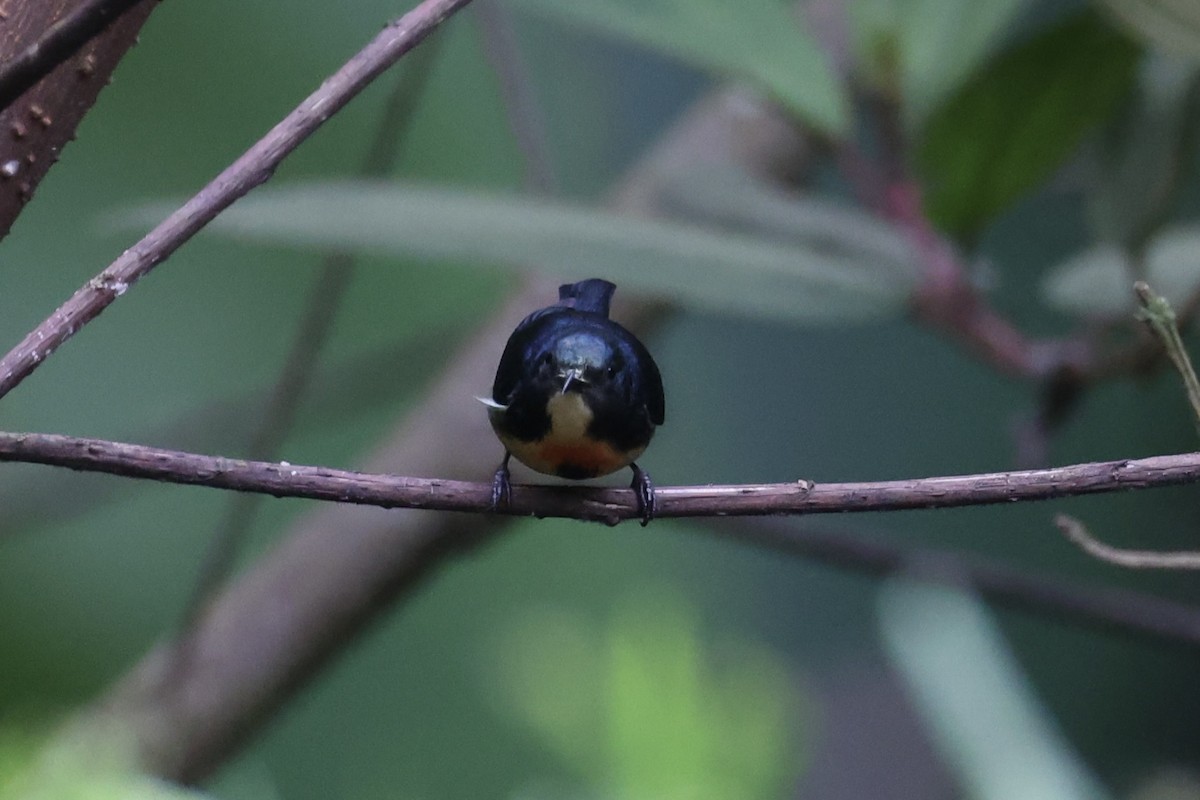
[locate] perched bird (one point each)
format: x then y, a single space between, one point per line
576 395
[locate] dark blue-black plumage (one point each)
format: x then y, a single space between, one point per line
576 394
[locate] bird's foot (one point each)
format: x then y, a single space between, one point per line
643 489
501 486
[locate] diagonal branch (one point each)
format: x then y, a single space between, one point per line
265 636
525 115
604 505
253 168
325 300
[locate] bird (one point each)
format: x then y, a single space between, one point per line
576 395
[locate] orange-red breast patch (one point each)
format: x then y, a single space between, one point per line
589 460
567 450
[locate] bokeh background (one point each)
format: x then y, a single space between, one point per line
571 660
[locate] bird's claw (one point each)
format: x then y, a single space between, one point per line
643 489
501 487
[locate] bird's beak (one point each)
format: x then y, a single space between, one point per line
569 377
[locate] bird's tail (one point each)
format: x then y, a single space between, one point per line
592 295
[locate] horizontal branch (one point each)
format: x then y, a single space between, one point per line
272 629
281 479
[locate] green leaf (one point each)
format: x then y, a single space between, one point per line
1099 281
78 763
725 272
979 708
761 41
1137 162
942 42
1171 25
644 706
927 47
1012 125
737 201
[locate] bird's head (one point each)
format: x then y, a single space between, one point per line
578 361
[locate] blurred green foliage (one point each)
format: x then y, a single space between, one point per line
971 693
1007 129
762 41
1096 280
705 268
923 50
36 765
645 706
464 691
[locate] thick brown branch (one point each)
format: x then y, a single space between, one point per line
59 42
37 125
251 169
605 505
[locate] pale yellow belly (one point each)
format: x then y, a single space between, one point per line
567 447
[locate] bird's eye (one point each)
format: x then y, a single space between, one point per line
611 371
544 359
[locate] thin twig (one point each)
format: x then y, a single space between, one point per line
253 168
1078 533
523 111
265 636
1104 608
1158 314
1144 354
60 41
1063 390
281 479
275 422
344 390
295 379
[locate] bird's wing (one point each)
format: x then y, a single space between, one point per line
512 362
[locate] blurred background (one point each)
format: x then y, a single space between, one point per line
572 660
